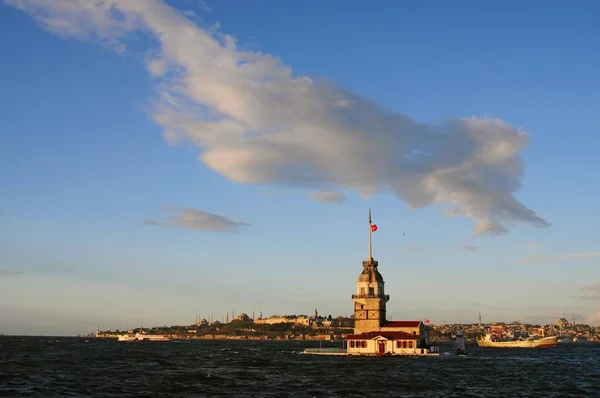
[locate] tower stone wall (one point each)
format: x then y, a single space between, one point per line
370 299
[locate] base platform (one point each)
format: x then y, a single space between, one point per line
343 352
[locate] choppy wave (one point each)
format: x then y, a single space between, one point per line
46 367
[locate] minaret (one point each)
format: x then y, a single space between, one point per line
369 300
479 319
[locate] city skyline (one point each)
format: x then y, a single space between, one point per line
166 159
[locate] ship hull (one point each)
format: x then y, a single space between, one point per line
143 337
541 343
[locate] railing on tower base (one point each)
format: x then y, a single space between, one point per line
362 296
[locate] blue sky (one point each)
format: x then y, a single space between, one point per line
90 178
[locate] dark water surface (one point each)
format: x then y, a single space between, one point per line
49 366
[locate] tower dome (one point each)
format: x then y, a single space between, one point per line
370 274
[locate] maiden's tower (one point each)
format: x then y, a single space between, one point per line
370 297
373 334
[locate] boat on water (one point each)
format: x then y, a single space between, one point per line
460 345
566 339
142 336
491 341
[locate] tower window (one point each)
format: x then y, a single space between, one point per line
371 291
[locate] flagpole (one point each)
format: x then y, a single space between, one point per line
370 238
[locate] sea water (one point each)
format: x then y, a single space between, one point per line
51 366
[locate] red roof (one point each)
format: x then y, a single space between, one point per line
387 335
402 324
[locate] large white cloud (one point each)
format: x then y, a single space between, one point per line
257 123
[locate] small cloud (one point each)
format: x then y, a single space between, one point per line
549 259
203 5
414 247
534 244
10 274
488 114
589 297
470 248
201 220
591 292
327 197
190 14
594 320
540 319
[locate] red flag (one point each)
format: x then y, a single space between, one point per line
426 320
374 227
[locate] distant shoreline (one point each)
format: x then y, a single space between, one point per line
179 337
231 337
